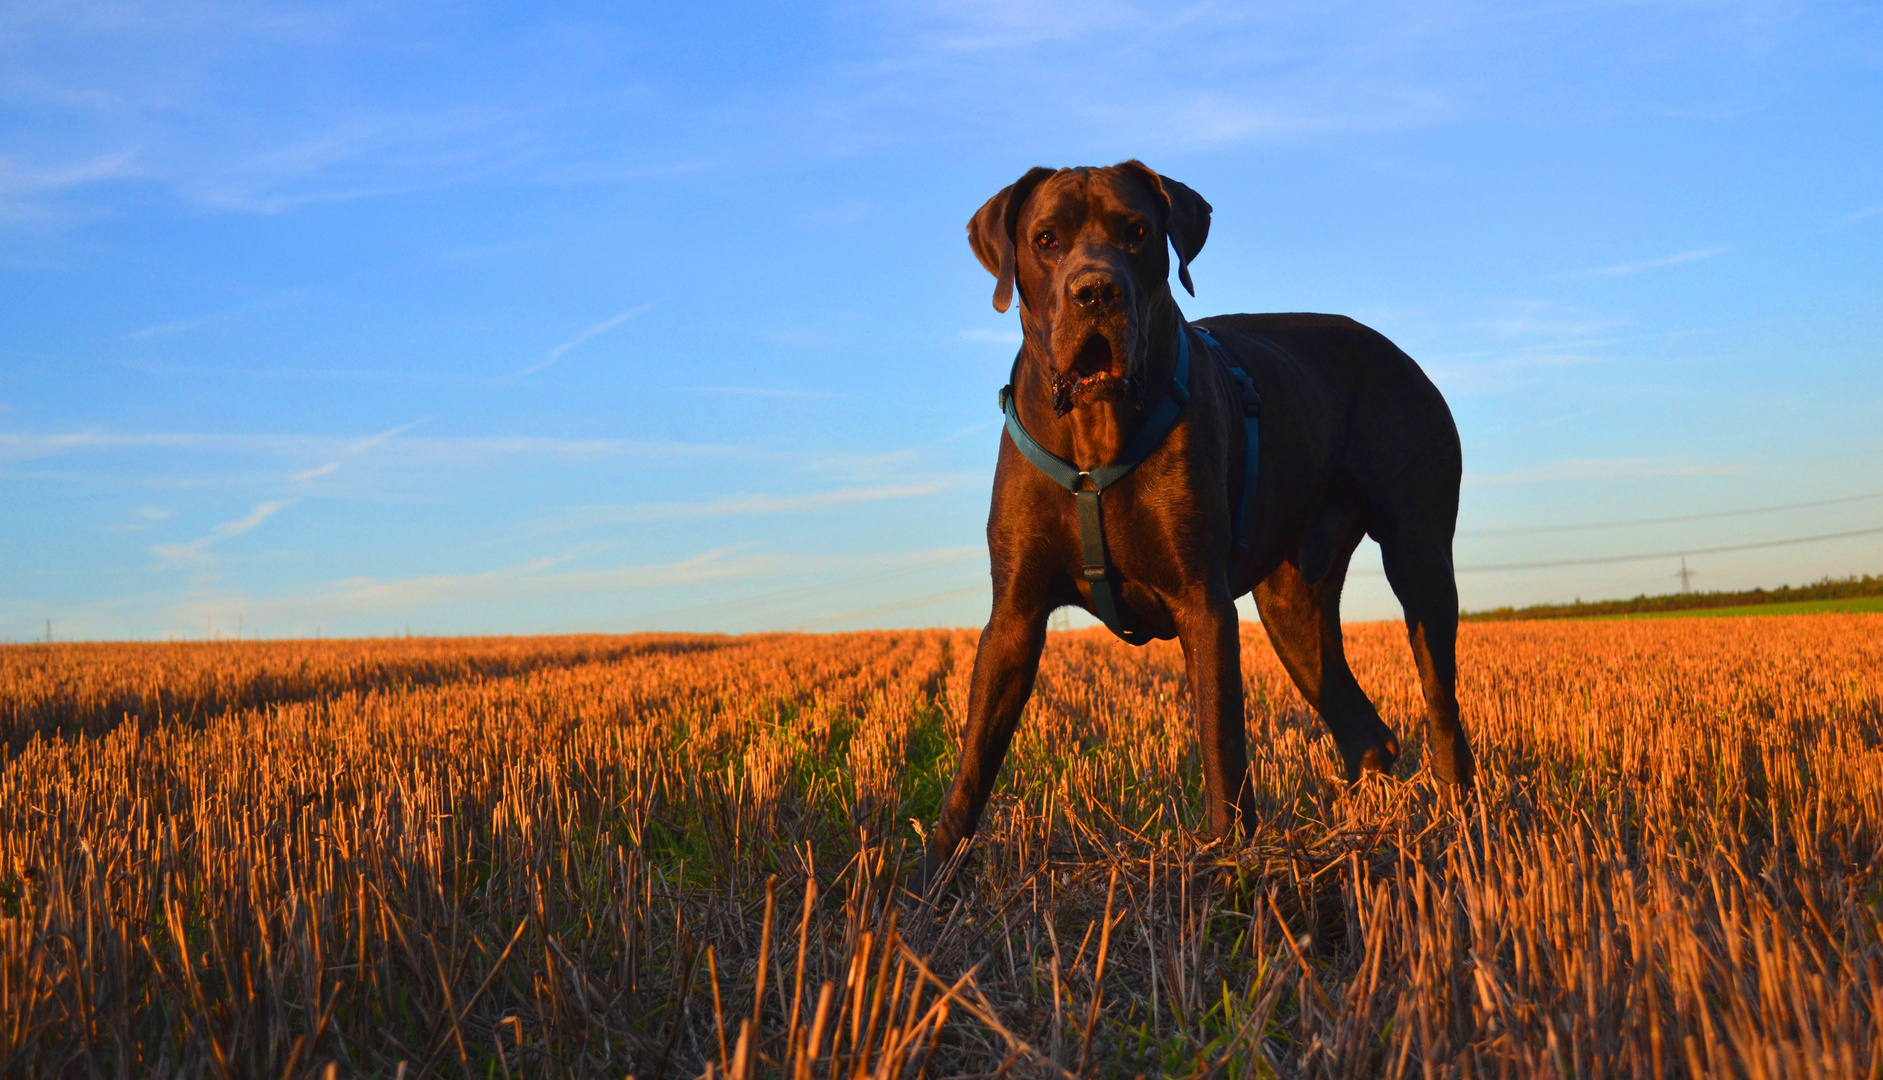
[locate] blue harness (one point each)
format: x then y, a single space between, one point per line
1087 485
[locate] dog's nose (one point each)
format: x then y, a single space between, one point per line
1094 291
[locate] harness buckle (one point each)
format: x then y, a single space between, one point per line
1095 573
1006 393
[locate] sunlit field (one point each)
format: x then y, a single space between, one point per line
669 856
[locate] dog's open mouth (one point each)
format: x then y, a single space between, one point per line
1089 376
1093 362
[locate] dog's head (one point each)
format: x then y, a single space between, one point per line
1087 248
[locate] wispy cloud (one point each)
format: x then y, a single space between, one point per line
184 326
1632 268
979 588
25 446
196 552
765 392
1202 74
469 450
578 340
392 376
144 517
734 506
1866 212
366 597
310 457
25 187
1603 470
1538 322
352 451
174 326
1513 345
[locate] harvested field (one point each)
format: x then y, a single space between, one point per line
551 856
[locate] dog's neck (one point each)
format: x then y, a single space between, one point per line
1096 433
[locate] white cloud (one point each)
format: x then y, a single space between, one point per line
25 187
364 597
1630 269
354 450
1602 470
419 453
764 392
979 588
1189 75
144 517
183 326
1549 320
472 450
23 446
196 552
589 334
174 326
734 506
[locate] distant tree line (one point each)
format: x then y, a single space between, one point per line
1824 589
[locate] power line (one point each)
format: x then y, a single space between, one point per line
951 594
1601 560
746 604
1528 529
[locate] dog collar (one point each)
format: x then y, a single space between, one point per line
1156 426
1087 485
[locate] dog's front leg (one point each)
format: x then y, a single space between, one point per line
1004 668
1207 628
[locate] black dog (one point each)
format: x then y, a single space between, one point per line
1115 394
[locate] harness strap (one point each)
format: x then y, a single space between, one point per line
1110 606
1242 529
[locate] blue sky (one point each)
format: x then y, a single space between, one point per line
547 318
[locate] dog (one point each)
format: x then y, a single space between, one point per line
1153 470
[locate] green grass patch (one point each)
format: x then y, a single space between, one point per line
1800 607
931 759
1828 594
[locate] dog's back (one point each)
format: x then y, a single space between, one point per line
1389 415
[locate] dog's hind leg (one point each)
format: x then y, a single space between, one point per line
1419 567
1303 623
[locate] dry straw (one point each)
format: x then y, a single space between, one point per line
587 857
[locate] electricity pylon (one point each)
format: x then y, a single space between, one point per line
1685 576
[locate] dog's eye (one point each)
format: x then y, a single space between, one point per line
1137 231
1046 240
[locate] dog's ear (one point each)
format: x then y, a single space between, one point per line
990 232
1189 226
1186 217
